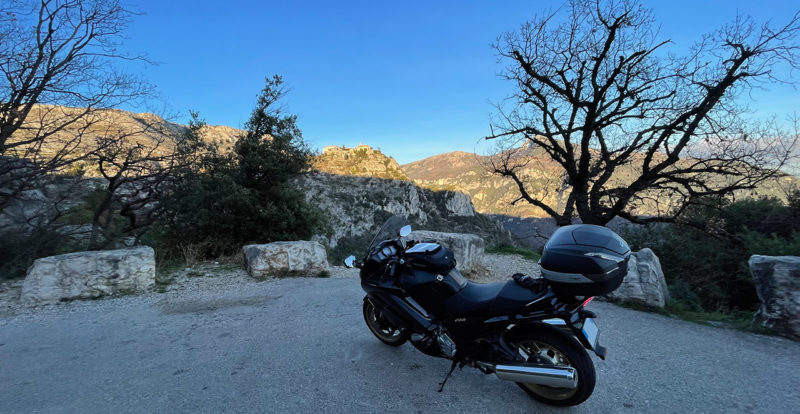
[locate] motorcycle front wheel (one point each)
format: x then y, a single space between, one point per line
381 327
544 345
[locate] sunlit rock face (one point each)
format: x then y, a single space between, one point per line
544 179
361 161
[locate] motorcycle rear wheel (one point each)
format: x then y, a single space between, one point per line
551 347
381 327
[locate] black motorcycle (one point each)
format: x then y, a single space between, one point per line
534 332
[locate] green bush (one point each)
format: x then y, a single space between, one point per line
766 216
706 269
349 245
682 298
714 269
771 245
229 200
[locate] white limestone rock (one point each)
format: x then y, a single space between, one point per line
89 275
644 282
301 258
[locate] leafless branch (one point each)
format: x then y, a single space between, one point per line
598 99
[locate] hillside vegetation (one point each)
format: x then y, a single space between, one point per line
707 270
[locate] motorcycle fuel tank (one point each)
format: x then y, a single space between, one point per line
431 257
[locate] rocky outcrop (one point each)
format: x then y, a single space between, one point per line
777 280
644 282
357 206
88 275
467 248
290 258
53 196
458 204
362 161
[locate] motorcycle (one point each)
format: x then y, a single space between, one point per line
532 331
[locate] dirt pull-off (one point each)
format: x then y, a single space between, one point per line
221 342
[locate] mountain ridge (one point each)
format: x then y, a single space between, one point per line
493 194
458 170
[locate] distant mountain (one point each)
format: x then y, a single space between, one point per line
490 193
494 194
454 171
361 161
445 167
145 128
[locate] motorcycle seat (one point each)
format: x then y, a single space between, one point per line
492 299
473 299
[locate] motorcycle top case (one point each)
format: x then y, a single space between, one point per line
431 257
585 260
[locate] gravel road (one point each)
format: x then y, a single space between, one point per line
300 346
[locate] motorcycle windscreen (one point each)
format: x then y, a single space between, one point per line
389 230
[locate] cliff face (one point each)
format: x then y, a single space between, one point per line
361 161
358 206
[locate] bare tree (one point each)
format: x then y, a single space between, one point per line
57 75
140 167
598 95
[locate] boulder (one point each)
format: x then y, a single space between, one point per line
777 280
88 275
301 258
644 282
467 248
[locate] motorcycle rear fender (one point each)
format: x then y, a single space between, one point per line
573 327
518 329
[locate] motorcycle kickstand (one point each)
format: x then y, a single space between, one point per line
449 373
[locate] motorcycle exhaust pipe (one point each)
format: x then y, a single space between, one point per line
540 375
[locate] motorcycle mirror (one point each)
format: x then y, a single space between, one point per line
350 262
405 230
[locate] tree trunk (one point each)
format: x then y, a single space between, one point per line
102 211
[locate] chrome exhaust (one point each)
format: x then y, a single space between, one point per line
540 375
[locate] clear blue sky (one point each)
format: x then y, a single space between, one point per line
412 78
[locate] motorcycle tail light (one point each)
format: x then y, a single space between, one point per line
586 302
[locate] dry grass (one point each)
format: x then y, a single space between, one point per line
191 254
